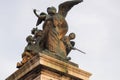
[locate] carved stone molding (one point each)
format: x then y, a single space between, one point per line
49 68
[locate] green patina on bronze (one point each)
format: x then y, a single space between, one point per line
52 38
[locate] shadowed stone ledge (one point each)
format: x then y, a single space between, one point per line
41 65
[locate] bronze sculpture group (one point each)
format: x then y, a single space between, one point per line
52 37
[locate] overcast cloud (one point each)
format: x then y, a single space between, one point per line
95 22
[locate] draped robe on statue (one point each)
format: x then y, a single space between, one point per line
55 29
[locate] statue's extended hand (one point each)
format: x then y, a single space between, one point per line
34 10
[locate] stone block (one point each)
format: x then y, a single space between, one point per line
45 67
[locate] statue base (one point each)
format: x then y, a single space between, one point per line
46 67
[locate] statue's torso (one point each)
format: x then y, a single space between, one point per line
55 28
60 25
57 22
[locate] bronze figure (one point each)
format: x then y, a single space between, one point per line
55 26
52 37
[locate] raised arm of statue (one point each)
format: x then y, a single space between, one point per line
41 17
34 10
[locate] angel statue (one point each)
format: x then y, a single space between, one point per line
52 38
55 27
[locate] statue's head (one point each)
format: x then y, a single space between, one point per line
34 30
72 36
29 39
51 10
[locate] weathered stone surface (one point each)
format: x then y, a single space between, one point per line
45 67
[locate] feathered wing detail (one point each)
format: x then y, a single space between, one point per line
66 6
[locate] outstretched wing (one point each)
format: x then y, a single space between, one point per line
66 6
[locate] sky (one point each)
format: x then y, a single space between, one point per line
96 24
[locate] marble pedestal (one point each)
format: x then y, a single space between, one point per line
45 67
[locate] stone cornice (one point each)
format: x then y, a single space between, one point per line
43 60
